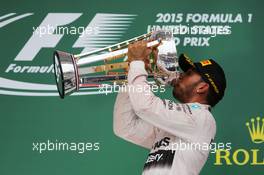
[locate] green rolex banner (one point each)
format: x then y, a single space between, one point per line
44 134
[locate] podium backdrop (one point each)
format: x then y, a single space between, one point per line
42 134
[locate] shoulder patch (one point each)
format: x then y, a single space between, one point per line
181 107
194 106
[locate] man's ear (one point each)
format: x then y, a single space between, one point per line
202 88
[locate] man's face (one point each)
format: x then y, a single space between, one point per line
185 87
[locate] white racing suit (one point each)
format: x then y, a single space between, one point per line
177 134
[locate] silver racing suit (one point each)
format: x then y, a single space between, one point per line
178 135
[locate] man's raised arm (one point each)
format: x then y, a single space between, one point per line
129 126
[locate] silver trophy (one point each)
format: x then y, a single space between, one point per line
75 72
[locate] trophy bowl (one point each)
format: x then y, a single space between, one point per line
66 73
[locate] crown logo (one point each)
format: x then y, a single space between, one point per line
256 130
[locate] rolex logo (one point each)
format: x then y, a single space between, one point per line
245 156
256 129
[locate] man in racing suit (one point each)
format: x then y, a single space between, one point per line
177 134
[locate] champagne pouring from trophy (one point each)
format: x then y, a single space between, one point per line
76 72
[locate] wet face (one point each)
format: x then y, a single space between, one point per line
185 87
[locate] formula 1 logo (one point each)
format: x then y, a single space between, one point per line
103 29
